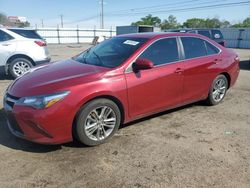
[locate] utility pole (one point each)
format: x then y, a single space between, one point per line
61 16
42 22
102 15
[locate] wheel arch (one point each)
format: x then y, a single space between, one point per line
11 58
228 78
109 97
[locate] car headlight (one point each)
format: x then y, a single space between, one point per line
42 101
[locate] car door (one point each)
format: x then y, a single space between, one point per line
6 47
160 87
200 60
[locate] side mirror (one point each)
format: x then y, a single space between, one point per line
142 64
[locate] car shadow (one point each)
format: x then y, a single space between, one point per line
3 76
245 65
10 141
160 114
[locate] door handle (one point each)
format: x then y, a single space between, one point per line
6 44
179 70
216 61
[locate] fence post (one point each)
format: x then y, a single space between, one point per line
94 32
77 34
58 34
240 37
111 32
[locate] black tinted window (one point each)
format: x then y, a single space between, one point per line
211 49
204 33
31 34
216 34
193 47
162 51
4 36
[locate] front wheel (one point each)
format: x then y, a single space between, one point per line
19 66
218 90
97 121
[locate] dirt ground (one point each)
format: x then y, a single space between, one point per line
192 146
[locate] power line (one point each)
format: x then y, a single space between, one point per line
156 6
121 11
187 9
176 5
161 9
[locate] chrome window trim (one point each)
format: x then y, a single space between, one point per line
180 49
129 67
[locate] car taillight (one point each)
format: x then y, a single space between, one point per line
40 43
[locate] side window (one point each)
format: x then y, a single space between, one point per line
211 49
193 47
204 33
162 52
4 36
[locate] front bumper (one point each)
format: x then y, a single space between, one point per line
41 126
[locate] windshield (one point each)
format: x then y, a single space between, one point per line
111 53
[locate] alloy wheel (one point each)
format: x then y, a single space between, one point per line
100 123
219 90
20 68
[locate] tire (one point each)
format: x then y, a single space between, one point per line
218 90
19 66
91 126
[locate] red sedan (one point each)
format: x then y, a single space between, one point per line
122 79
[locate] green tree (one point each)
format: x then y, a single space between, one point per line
22 24
170 23
245 23
225 24
213 23
148 20
195 23
3 19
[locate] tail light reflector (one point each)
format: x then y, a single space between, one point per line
40 43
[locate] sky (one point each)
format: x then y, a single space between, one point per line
86 13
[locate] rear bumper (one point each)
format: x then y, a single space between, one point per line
47 60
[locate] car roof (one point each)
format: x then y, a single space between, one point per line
151 35
17 28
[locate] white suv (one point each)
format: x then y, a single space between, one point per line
21 49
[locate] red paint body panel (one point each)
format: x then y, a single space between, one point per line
152 90
140 94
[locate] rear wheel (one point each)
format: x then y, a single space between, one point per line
97 121
19 66
218 90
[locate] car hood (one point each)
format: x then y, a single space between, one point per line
54 77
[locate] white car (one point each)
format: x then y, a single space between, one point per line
21 49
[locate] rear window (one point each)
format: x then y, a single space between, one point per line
31 34
193 47
216 34
204 33
211 49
